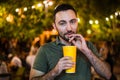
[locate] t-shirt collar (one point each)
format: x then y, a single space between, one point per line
58 42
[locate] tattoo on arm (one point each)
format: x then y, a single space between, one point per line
100 66
49 76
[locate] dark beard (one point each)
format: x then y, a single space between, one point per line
66 39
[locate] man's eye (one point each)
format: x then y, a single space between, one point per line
62 23
73 21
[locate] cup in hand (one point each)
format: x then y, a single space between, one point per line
70 51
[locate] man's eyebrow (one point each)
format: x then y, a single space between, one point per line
61 21
73 19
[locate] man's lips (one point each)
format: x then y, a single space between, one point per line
69 33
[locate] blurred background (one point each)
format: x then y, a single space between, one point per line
28 23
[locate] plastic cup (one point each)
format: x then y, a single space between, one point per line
70 51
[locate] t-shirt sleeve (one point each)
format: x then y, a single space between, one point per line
93 49
40 62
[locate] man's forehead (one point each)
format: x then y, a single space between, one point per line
65 11
65 15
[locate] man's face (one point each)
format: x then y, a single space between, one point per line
66 23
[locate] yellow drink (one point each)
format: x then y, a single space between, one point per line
70 51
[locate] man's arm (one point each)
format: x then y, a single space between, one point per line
100 66
63 64
38 75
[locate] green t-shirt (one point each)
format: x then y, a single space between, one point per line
49 54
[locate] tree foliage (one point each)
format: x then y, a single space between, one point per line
32 22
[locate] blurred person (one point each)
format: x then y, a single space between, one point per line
12 45
15 62
50 63
105 51
106 55
3 69
31 57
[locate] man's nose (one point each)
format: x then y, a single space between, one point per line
69 28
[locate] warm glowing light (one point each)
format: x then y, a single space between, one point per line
111 16
89 31
50 3
39 5
90 21
78 20
20 11
107 19
10 18
22 16
45 2
116 13
119 13
96 21
33 7
25 9
17 10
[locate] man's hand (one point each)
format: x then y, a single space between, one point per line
63 64
79 41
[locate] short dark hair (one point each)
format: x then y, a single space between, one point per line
63 7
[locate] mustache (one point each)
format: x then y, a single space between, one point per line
69 32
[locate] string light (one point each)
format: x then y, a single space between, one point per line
96 21
116 13
17 10
107 19
50 3
33 7
90 21
39 5
111 16
78 20
89 31
25 9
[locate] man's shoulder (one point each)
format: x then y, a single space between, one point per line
48 44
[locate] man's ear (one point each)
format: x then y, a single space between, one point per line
54 26
54 29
